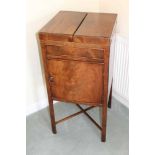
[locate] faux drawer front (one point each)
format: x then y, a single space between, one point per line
75 81
74 52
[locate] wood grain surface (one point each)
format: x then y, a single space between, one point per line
76 81
63 25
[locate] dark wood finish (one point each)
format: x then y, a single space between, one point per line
75 114
76 56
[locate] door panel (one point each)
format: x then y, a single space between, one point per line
76 81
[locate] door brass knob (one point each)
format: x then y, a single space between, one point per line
51 79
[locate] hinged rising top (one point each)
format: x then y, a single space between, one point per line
79 26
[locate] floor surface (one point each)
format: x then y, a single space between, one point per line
78 135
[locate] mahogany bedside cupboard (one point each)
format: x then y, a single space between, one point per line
78 62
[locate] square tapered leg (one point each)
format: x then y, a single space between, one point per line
52 115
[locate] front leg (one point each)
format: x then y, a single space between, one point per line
104 119
105 93
52 116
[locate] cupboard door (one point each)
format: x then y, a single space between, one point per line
75 81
